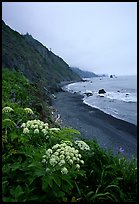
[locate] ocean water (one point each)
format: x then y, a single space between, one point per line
120 99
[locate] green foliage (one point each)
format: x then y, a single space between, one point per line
14 87
109 177
101 177
65 134
18 94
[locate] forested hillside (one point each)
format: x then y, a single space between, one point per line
39 65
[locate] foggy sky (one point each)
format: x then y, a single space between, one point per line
99 37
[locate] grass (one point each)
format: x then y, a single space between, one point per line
102 177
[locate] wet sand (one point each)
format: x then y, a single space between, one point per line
92 123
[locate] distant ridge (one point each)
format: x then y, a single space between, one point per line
82 73
38 64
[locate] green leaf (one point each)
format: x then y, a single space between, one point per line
39 172
4 186
45 183
31 179
37 169
16 192
33 198
57 180
90 193
50 181
32 165
16 166
78 188
9 199
100 195
13 136
66 183
112 186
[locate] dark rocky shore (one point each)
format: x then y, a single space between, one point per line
92 123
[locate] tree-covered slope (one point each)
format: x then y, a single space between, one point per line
37 63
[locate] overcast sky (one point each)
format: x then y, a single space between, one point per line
99 37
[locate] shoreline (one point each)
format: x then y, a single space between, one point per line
92 123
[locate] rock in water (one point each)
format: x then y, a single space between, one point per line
101 91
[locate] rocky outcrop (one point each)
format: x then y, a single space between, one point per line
101 91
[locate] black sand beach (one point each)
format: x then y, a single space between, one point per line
92 123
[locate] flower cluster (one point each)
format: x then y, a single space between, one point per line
28 110
7 109
62 157
36 126
82 145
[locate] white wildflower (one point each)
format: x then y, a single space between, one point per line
32 126
44 131
28 110
71 154
70 161
63 145
29 123
36 131
56 158
68 157
45 125
62 156
25 130
23 125
79 155
54 129
57 153
76 155
77 159
44 161
55 146
82 162
77 166
62 152
53 162
77 151
67 153
58 150
41 127
47 169
44 156
62 162
74 158
82 145
49 151
41 123
36 126
64 170
7 109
